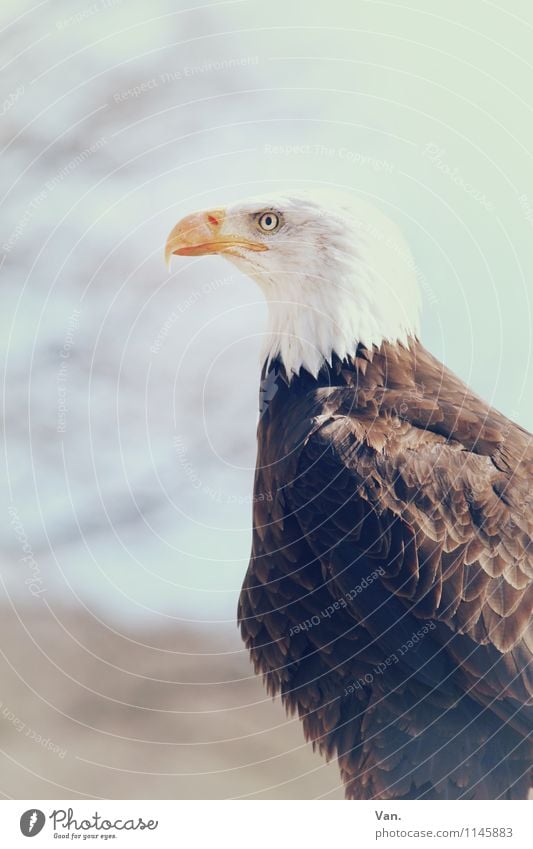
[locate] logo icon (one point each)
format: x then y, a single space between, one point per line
32 822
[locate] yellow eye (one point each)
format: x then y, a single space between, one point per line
269 221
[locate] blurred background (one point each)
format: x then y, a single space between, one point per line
130 394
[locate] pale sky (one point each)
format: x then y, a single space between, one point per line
121 117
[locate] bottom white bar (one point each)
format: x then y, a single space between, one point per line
265 824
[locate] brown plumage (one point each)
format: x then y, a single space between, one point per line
388 596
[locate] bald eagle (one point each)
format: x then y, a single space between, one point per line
388 595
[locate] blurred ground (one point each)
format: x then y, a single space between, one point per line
149 713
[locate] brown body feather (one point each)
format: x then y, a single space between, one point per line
388 597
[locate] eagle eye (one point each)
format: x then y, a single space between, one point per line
269 221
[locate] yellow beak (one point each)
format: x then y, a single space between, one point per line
200 233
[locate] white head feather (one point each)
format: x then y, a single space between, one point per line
337 272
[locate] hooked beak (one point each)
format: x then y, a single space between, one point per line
200 233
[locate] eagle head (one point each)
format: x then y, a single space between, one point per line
335 271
